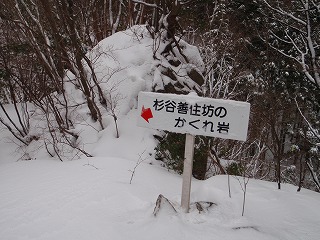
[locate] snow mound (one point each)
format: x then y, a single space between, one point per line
129 62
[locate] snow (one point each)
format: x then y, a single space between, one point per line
92 198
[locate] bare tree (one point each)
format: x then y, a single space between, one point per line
299 29
295 35
44 26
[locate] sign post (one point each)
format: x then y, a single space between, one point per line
193 115
187 172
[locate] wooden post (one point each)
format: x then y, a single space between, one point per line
187 172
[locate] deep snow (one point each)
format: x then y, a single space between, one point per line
92 198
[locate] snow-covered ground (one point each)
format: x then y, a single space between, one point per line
92 198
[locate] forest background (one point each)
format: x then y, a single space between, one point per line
265 52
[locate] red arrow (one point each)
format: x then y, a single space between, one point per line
146 114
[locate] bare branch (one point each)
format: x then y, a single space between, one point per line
282 12
147 4
314 132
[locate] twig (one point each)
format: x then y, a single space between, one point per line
140 160
88 164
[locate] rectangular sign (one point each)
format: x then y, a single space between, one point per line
194 115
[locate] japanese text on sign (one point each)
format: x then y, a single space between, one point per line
194 115
184 108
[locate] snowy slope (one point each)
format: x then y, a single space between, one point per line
92 198
46 199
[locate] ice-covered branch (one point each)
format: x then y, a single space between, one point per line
314 132
147 4
283 12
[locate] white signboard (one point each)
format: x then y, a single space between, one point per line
194 115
